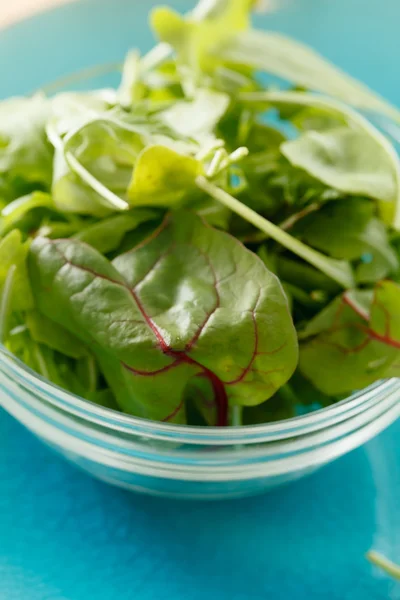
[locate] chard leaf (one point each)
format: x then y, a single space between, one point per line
291 60
345 159
13 254
189 302
162 177
354 341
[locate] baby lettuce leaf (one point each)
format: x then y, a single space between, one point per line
192 37
345 159
17 209
354 341
198 117
162 177
24 150
189 302
291 60
13 255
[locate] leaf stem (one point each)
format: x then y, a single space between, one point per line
385 564
339 271
236 416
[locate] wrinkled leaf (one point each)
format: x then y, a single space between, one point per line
189 302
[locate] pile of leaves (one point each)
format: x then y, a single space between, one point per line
207 244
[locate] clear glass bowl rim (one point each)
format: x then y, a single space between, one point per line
116 422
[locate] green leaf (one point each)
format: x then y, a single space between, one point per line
346 229
162 177
14 211
52 335
191 302
390 211
345 159
13 253
72 195
291 60
196 118
107 235
24 150
212 24
354 341
339 271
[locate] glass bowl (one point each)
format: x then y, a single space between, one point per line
158 458
192 462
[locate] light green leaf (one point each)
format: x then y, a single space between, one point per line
24 150
190 302
13 253
16 209
196 118
345 159
162 177
291 60
192 37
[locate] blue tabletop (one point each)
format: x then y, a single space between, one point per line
65 536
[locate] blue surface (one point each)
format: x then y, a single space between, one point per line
64 536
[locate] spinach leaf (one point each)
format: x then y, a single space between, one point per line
354 341
189 302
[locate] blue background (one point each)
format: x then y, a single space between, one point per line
64 536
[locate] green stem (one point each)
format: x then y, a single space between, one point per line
385 564
350 115
5 302
338 270
236 416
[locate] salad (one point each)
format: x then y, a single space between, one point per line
216 242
